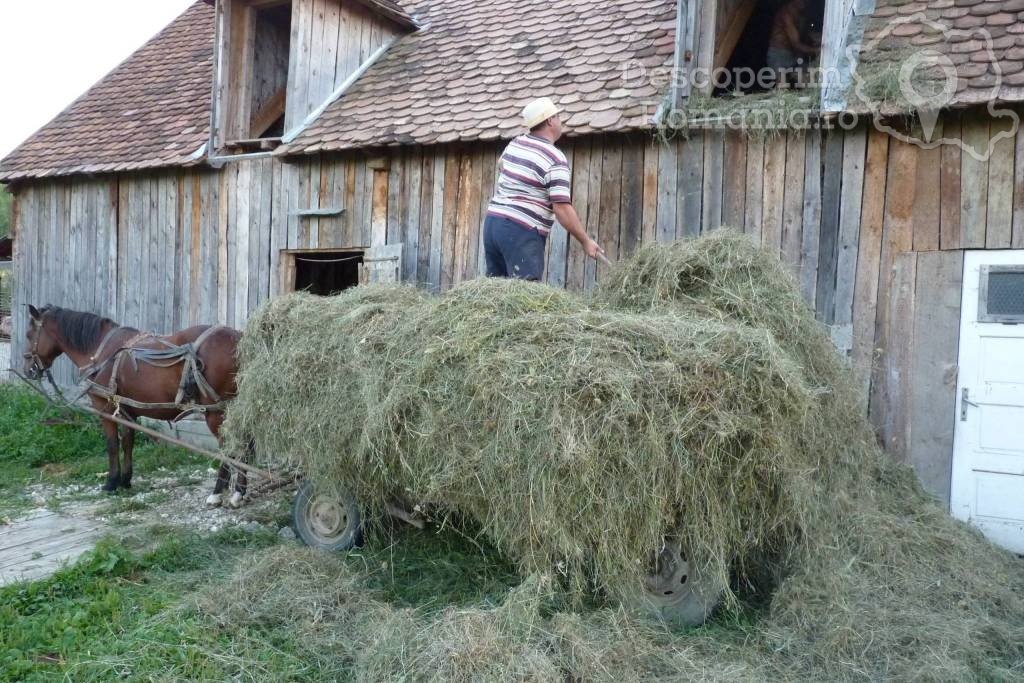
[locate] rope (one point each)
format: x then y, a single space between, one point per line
338 260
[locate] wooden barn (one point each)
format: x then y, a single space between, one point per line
256 147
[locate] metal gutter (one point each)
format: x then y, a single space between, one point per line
342 89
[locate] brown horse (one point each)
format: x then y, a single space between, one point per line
134 375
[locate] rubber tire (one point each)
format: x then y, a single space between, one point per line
351 536
689 607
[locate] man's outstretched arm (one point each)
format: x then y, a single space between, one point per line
570 220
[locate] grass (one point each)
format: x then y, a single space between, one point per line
128 609
80 621
433 569
41 444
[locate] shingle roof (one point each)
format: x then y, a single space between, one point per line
392 10
153 110
466 75
983 39
476 64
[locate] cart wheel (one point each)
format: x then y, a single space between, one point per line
673 593
325 522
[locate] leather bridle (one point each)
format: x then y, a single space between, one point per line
37 368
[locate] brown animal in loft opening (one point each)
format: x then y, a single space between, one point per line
141 375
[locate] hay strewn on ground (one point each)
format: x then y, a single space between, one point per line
694 390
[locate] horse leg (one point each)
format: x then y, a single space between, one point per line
215 499
241 479
127 446
113 459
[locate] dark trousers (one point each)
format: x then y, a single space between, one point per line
512 250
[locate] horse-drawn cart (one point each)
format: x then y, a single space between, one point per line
129 375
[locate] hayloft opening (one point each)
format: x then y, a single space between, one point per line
326 273
255 94
769 45
272 34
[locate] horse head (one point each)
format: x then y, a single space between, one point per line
43 344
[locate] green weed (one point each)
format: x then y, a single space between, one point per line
41 444
122 598
435 568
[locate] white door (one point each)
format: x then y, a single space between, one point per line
988 452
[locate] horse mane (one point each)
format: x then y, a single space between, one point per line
81 331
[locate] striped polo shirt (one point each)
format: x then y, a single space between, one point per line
534 176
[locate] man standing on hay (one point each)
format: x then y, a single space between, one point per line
533 190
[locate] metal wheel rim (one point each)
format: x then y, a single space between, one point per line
328 518
670 583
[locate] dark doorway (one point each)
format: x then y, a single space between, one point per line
326 273
749 57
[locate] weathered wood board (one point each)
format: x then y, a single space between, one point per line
36 546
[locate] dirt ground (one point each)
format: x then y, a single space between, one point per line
168 498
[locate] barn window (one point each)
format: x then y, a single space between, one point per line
324 273
252 92
768 44
1002 294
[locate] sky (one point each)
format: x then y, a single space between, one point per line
52 51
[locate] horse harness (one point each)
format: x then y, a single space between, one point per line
169 355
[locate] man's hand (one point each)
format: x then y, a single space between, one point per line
593 249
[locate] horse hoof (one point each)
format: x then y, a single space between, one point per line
214 500
236 499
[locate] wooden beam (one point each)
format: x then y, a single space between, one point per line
263 4
927 198
726 43
933 369
872 218
269 113
847 251
706 50
683 50
949 185
974 182
1017 239
999 212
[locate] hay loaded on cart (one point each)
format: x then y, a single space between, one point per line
652 443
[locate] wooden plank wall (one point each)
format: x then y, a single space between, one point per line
855 215
330 40
64 235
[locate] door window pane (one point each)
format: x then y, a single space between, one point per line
1002 294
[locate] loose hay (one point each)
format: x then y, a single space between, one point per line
576 438
694 391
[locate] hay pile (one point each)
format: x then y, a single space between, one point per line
575 437
694 391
